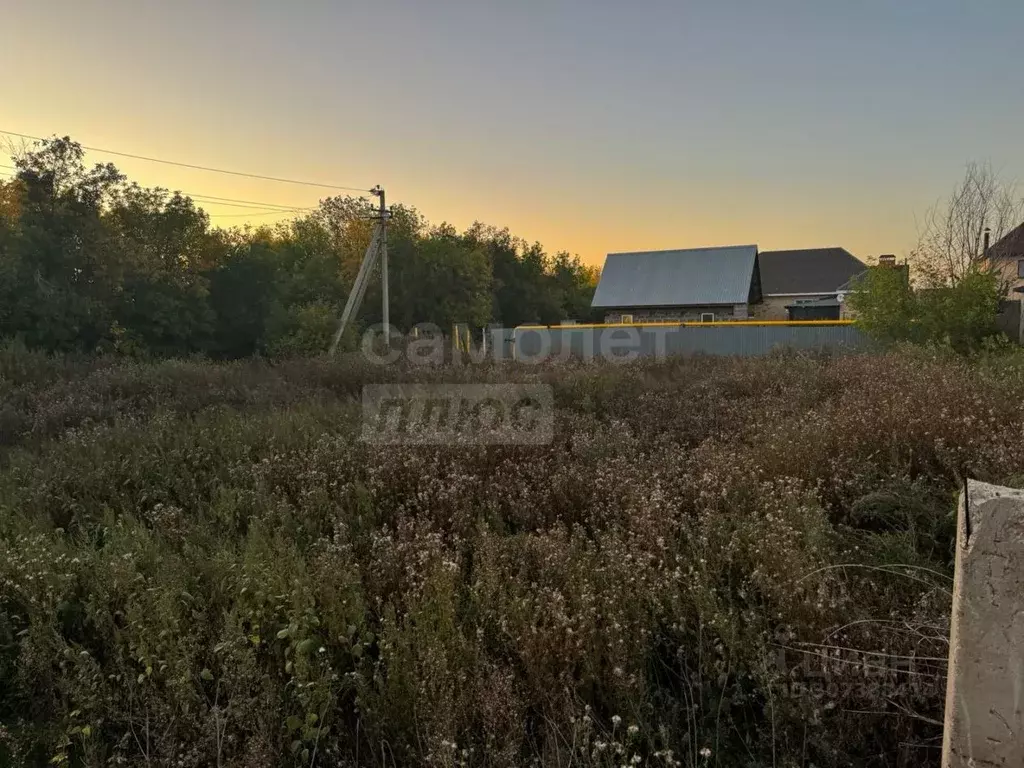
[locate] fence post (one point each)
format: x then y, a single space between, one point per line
984 723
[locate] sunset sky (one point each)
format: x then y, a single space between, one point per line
589 125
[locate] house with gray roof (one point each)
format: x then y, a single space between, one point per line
703 284
805 283
1006 257
735 282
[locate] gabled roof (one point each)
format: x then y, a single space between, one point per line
694 276
1010 245
807 270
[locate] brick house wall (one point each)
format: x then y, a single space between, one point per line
771 308
1009 271
685 314
774 307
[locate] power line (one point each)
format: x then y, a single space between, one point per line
260 208
199 167
213 199
256 212
237 215
281 208
253 202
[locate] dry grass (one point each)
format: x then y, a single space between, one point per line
201 565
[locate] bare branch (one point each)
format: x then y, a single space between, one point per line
951 241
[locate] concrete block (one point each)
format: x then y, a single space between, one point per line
984 722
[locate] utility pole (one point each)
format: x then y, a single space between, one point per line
378 249
385 303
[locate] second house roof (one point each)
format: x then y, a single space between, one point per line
807 270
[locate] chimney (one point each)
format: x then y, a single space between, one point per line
887 260
984 247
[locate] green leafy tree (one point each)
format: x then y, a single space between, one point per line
450 281
65 280
301 330
960 315
575 283
884 304
530 287
242 293
964 314
10 269
511 293
165 244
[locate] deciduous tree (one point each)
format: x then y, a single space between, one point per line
951 242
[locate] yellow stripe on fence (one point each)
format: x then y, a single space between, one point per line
683 324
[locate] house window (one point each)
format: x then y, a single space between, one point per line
1020 268
626 319
707 317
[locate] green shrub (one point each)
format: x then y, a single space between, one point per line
960 315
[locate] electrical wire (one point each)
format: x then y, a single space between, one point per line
227 200
237 215
260 208
273 206
214 200
363 190
256 212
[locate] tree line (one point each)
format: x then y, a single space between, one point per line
91 262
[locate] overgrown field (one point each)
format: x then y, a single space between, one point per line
716 562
